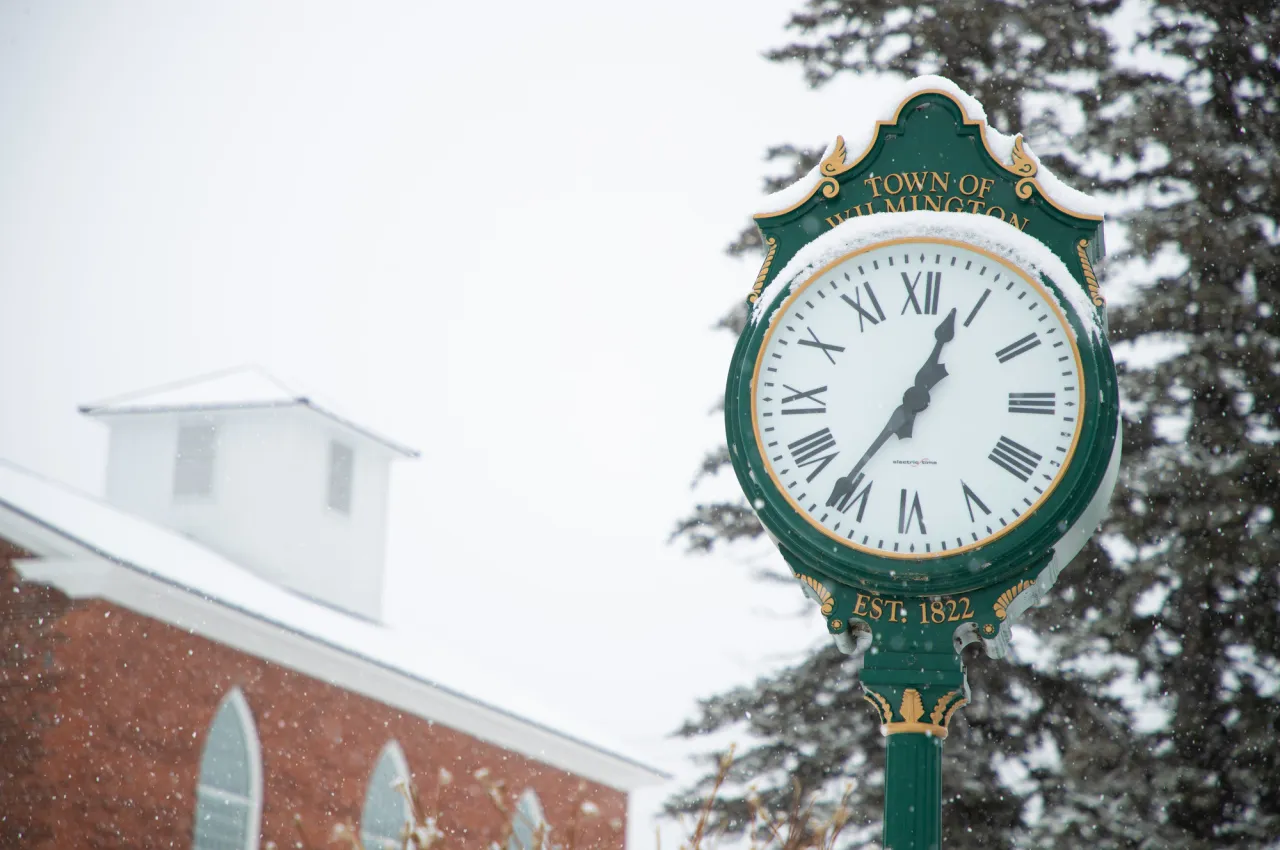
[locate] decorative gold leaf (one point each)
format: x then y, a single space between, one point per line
1023 164
911 709
939 709
831 166
1025 167
824 596
834 163
956 706
881 705
1001 605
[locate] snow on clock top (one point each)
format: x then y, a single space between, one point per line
846 151
982 232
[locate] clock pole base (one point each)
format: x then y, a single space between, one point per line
913 792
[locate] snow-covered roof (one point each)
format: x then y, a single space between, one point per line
240 388
91 549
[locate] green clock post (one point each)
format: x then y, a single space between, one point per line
923 408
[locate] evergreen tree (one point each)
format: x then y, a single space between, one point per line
1150 715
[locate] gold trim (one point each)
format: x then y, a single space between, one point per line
964 117
888 729
916 556
912 709
831 167
1002 604
824 595
1094 291
764 270
1024 166
956 706
939 709
880 704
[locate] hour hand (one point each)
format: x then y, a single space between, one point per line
933 371
946 331
930 374
916 398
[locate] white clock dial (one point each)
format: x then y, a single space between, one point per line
917 398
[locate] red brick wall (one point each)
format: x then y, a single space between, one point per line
103 714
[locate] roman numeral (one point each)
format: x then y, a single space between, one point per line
856 495
807 395
808 451
825 348
1014 458
932 287
1042 403
1013 349
976 307
856 303
905 514
971 499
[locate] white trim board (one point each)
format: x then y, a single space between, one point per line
89 574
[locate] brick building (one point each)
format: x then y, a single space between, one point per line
197 660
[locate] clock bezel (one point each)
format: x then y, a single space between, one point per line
800 289
961 569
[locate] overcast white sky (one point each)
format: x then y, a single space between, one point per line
492 231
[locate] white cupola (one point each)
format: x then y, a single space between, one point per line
263 475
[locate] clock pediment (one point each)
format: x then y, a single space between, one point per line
935 153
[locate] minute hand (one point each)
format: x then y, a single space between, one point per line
902 420
842 492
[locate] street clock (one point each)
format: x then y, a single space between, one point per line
922 408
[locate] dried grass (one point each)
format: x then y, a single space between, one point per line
799 827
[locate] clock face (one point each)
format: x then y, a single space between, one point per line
917 398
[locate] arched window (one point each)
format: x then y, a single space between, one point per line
229 796
386 809
528 825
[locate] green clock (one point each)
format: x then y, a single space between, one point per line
921 414
922 408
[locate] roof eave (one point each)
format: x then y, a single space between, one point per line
300 401
81 571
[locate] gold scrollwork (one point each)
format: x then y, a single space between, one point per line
1023 166
881 705
1094 292
1001 605
832 166
955 706
824 596
839 165
940 708
764 270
